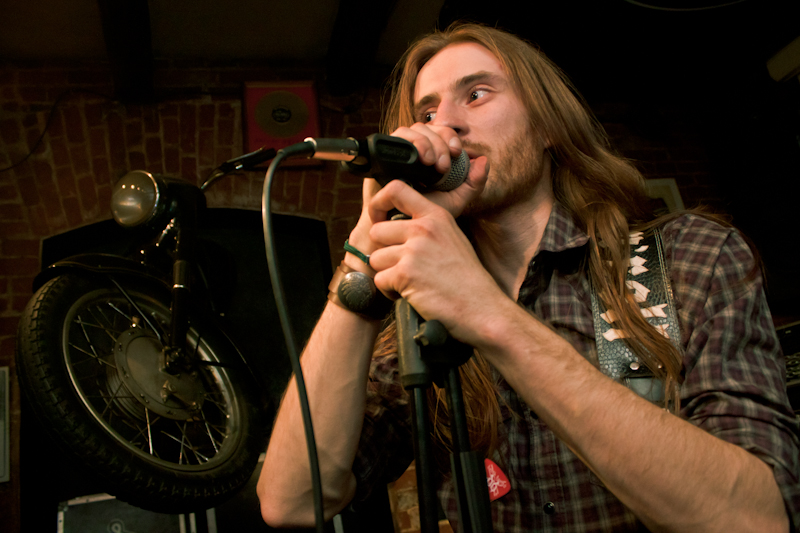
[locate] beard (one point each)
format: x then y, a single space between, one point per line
515 173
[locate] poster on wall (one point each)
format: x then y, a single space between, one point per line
279 114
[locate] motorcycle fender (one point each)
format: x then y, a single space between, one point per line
97 263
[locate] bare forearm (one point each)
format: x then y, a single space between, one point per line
335 365
671 474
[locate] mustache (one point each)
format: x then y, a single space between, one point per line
475 149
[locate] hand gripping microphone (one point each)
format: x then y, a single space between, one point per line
386 158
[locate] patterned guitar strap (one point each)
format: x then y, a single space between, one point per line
648 279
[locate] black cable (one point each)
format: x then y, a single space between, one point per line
288 332
50 121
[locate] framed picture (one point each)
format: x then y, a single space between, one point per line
279 114
665 195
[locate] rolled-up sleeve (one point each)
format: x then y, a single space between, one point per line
385 450
735 374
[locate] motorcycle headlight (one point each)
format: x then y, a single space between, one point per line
137 199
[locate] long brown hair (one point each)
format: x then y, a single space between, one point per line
605 194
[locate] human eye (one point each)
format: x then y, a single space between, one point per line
428 116
477 93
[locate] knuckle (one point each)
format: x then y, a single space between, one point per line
402 277
381 282
425 227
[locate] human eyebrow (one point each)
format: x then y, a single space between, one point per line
459 85
424 102
472 79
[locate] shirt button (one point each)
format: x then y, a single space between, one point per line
549 508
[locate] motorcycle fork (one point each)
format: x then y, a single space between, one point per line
176 360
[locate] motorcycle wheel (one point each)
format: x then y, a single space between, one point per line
88 359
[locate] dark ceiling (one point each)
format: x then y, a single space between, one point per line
609 47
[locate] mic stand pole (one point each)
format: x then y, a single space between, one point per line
418 370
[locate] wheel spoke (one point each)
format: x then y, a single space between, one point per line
88 340
79 320
149 435
199 456
92 356
210 398
183 437
122 313
109 400
181 442
108 327
211 437
139 433
223 434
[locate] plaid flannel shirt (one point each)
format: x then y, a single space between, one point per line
734 384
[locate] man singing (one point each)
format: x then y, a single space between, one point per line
509 262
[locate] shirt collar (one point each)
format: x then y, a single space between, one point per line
561 232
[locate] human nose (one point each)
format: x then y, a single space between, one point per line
450 115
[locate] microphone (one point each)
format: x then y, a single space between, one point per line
386 158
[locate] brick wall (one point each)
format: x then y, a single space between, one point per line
91 141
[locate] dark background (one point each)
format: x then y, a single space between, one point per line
698 63
682 87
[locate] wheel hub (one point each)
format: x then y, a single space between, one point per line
139 367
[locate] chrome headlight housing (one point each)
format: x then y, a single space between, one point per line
138 198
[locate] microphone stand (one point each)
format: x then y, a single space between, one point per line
427 355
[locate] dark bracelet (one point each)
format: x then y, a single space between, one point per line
356 292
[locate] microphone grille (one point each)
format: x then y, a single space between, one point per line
459 168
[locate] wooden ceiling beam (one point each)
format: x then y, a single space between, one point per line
127 33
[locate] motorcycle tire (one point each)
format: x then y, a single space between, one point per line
88 359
